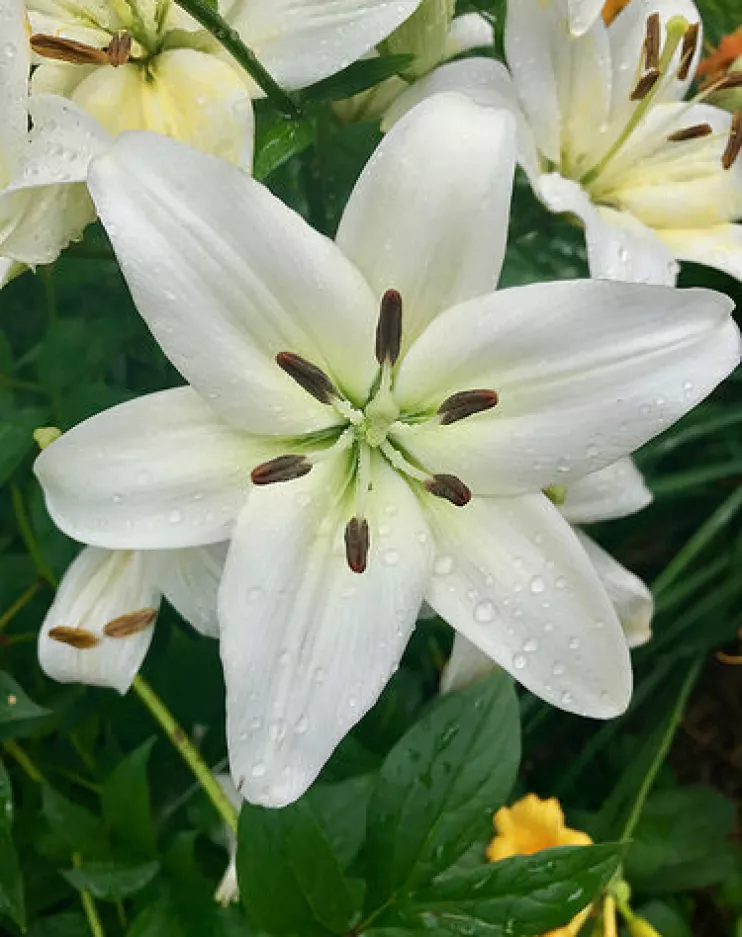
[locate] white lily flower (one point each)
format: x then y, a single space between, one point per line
149 66
615 491
43 200
100 625
582 14
605 133
380 437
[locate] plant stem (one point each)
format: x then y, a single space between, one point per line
27 535
220 29
20 603
188 751
88 905
15 750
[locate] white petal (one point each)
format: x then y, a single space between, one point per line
615 491
159 472
9 270
302 41
429 214
582 14
465 666
191 96
586 371
513 579
189 580
631 598
99 587
619 246
307 645
469 31
15 63
226 276
719 247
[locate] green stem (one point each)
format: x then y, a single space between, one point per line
14 383
188 751
15 751
88 904
19 604
209 18
673 722
27 535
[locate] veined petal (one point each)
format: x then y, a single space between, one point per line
631 598
465 666
189 580
468 31
303 41
619 246
160 472
83 638
719 247
188 95
582 14
307 645
586 372
15 64
513 579
239 278
429 214
615 491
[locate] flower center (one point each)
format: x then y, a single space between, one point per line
375 426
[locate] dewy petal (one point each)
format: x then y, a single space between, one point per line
429 214
188 95
15 63
160 472
189 580
719 247
582 14
302 41
465 666
307 645
226 276
99 587
631 598
513 579
586 372
615 491
619 246
468 31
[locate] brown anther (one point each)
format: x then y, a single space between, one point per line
132 623
67 50
283 469
691 133
734 143
119 49
389 329
652 42
645 85
465 403
733 80
688 50
357 544
450 488
79 638
307 375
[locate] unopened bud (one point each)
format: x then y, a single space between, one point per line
45 435
423 35
639 927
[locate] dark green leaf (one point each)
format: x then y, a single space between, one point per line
126 803
187 912
11 885
15 704
360 76
300 889
440 785
16 439
110 881
280 142
61 925
341 812
75 828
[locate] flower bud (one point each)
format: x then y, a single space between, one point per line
423 35
639 927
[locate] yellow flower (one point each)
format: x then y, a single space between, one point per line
529 826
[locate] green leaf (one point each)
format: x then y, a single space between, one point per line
341 812
110 881
300 889
75 828
15 705
126 803
11 885
279 143
522 896
16 439
440 785
187 912
358 77
61 925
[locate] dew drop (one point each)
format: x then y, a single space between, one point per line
258 770
537 585
530 645
484 612
558 669
520 661
443 566
391 557
175 517
574 643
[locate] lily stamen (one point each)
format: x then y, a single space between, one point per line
645 85
79 638
688 50
652 43
691 133
450 488
308 376
118 51
734 144
132 623
357 544
389 329
67 50
466 403
282 469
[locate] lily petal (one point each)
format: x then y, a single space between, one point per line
719 247
189 580
302 41
226 276
428 216
615 491
159 472
98 589
15 64
307 645
582 14
468 31
465 666
631 598
586 372
513 579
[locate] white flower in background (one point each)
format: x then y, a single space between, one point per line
395 456
100 625
605 133
615 491
146 65
40 211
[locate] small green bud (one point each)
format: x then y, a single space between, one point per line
45 435
557 494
